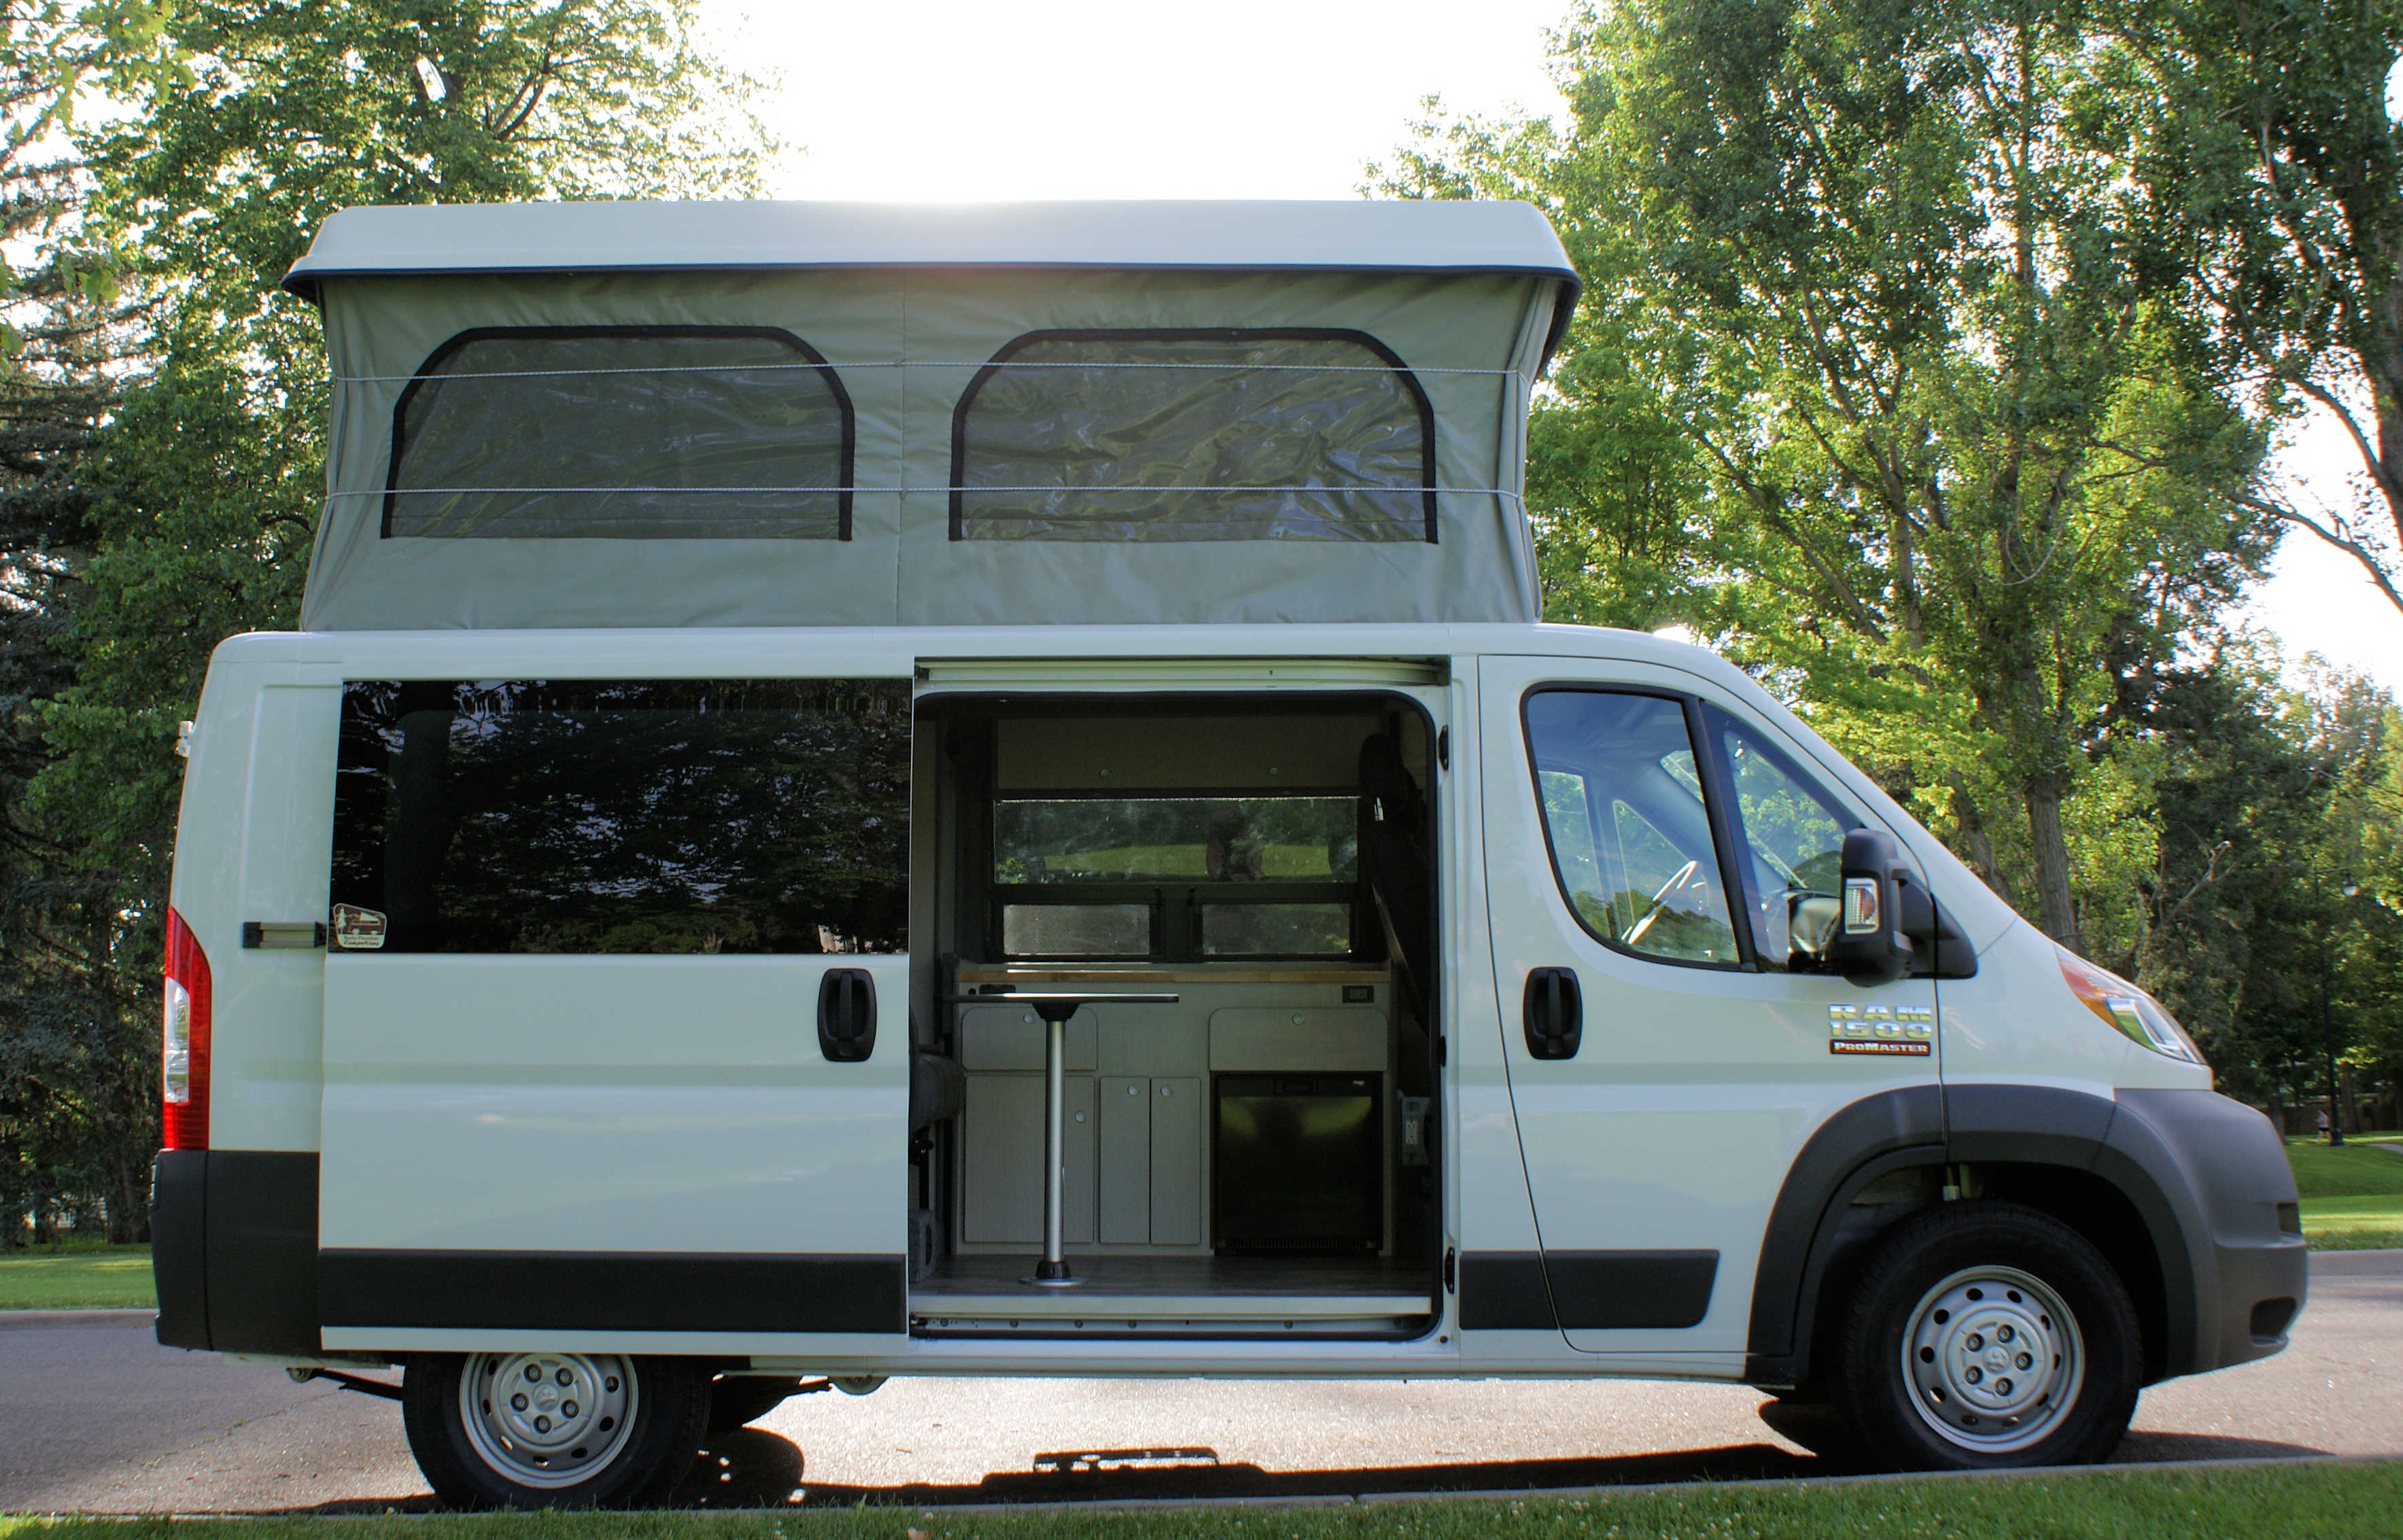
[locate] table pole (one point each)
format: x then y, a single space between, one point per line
1054 1266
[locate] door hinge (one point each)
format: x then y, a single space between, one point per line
1451 1270
1443 748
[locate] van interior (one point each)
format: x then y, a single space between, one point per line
1256 1157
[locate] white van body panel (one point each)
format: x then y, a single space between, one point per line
688 1108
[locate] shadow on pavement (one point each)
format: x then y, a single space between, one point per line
752 1468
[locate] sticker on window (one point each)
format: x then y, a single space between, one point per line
356 929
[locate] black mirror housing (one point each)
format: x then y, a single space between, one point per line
1883 906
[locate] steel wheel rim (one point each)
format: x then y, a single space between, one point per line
1994 1359
547 1420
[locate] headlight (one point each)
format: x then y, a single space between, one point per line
2126 1008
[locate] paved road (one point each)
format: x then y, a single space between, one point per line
99 1418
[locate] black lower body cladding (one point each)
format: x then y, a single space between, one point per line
179 1217
2252 1274
234 1250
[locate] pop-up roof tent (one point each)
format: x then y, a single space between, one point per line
755 414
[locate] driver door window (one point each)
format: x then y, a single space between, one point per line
1627 825
1794 847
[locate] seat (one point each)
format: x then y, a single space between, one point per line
1395 860
939 1086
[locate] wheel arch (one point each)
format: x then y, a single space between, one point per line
1879 1160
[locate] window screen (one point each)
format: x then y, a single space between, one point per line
622 433
1629 831
661 816
1173 436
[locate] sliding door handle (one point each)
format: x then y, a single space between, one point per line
847 1014
1554 1013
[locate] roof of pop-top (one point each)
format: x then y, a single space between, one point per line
1417 235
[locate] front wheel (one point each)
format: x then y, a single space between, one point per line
543 1430
1984 1334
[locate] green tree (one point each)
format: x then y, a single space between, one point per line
194 505
1947 461
65 1038
2257 137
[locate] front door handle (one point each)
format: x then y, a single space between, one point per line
847 1014
1555 1013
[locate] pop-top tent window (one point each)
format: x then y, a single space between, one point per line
1186 436
622 433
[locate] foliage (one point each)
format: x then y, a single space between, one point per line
1888 379
184 486
71 1140
2268 169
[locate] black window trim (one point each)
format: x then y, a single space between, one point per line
478 334
1713 810
1193 334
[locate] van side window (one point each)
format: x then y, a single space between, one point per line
631 816
1629 829
1794 847
1177 436
622 433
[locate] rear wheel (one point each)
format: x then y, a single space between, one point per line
1984 1334
530 1430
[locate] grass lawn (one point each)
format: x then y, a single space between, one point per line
2353 1195
84 1277
2260 1503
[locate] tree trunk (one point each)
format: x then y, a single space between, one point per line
2056 912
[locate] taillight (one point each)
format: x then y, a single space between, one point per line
185 1036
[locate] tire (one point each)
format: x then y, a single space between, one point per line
738 1400
1985 1335
593 1431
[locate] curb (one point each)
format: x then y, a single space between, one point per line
63 1320
2386 1263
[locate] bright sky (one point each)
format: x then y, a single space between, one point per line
942 100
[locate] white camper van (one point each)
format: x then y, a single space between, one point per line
873 791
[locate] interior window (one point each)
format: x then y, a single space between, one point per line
622 433
1625 818
1177 436
1176 838
630 816
1236 876
1794 841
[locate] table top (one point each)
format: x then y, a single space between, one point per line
1059 997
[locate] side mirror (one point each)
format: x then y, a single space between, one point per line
1884 907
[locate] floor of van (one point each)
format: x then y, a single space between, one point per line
1175 1296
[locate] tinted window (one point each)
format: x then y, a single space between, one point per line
622 433
1793 843
1628 829
664 816
1193 436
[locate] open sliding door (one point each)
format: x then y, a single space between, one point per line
616 1038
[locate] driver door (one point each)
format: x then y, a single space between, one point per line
1657 853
